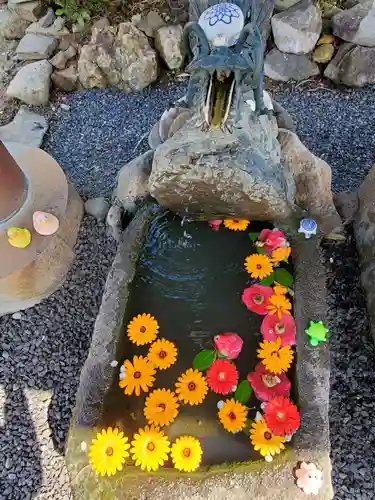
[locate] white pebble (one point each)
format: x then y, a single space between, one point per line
220 404
17 316
114 363
234 388
122 376
83 446
65 107
268 458
288 437
258 416
263 405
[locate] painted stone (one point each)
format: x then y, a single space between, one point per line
19 237
45 223
222 24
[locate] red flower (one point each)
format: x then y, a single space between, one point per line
284 329
282 416
215 224
267 385
228 344
256 298
272 239
222 376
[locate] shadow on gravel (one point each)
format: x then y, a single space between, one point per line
352 402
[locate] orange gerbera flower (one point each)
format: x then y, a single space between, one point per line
259 266
279 304
279 289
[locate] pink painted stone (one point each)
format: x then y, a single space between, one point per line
229 345
309 478
45 223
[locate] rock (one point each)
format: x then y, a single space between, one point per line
357 24
154 139
48 19
132 182
57 29
283 118
149 24
119 57
60 59
66 79
26 128
284 67
323 53
168 41
100 24
329 10
65 107
35 47
97 207
31 83
224 174
281 5
353 66
29 11
313 180
11 25
297 29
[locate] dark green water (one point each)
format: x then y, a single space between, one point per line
191 279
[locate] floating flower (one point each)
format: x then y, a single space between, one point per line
258 266
283 328
186 453
266 385
264 441
161 407
139 376
222 376
271 239
256 298
282 416
279 304
236 224
317 332
233 415
191 387
280 289
143 329
108 452
228 345
162 354
275 358
281 254
150 448
309 478
215 224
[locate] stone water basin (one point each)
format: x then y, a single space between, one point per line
191 279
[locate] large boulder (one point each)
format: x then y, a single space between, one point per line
168 41
353 65
284 67
297 29
218 174
357 24
32 83
117 56
35 47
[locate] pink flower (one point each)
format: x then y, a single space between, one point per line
272 239
273 328
215 224
256 298
229 345
267 385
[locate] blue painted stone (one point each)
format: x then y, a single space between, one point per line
308 227
222 24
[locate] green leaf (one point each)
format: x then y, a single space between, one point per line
269 280
247 427
60 12
243 392
253 236
261 250
283 277
204 359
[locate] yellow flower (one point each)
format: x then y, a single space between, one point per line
186 453
259 266
275 358
162 354
150 448
236 224
279 304
281 254
264 441
161 407
143 329
139 376
233 415
108 451
279 289
191 387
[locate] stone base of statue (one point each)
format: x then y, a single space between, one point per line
27 275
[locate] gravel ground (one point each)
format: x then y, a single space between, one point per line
43 349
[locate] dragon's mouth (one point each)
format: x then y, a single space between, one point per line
219 98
